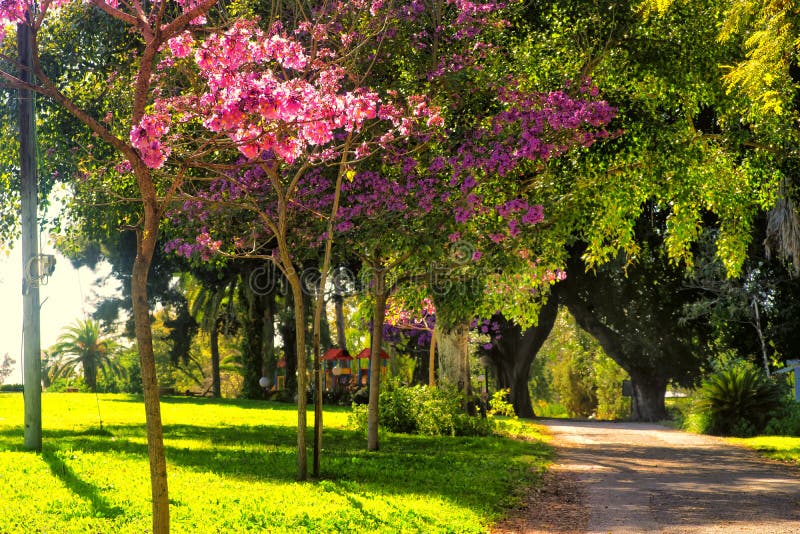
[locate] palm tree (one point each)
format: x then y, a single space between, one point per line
81 345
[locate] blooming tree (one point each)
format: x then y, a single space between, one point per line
152 25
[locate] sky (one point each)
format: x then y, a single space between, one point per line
67 296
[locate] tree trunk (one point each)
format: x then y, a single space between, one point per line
432 361
453 345
378 317
269 362
287 330
216 387
648 396
90 371
341 339
302 388
514 352
252 356
146 241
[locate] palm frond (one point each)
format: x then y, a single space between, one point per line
783 232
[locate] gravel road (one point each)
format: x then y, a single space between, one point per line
632 477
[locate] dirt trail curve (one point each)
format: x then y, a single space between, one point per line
629 477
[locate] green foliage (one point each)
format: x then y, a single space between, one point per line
499 405
738 401
543 408
422 410
71 382
82 345
399 408
786 422
582 378
232 469
572 379
608 378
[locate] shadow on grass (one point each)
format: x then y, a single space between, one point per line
478 473
83 489
245 404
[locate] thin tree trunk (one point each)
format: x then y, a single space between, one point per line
320 307
302 368
216 387
269 362
432 361
341 339
378 317
146 241
761 337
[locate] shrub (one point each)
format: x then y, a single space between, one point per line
357 418
737 401
786 422
499 404
397 410
421 410
68 382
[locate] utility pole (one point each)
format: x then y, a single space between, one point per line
29 197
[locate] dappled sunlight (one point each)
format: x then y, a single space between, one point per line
654 478
232 467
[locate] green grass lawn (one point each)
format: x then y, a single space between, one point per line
232 467
775 447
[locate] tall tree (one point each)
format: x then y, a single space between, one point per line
153 26
637 315
512 352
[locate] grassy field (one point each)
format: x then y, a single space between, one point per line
232 467
775 447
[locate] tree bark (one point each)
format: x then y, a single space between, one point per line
648 384
378 317
146 241
648 396
432 361
453 345
216 387
90 371
302 368
269 362
514 352
253 358
338 305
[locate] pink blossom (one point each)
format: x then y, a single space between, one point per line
181 45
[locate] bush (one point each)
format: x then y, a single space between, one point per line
11 388
421 410
737 401
786 422
357 419
61 385
499 404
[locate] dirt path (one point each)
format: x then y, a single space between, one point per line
646 478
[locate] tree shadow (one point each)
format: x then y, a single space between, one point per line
80 487
404 465
245 404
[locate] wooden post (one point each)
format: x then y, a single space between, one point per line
29 191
